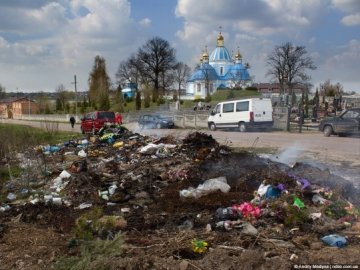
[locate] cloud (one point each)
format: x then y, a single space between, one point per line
351 20
255 17
347 5
53 36
31 21
146 22
252 25
351 7
339 65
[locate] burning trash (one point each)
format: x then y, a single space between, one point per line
157 195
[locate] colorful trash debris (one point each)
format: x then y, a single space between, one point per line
249 211
118 144
298 203
199 246
228 213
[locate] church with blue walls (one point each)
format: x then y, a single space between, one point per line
220 70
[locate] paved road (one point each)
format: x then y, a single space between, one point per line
288 147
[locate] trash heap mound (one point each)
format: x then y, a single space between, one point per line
164 203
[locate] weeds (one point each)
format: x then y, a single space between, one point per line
94 255
19 137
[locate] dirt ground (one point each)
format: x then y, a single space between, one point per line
158 225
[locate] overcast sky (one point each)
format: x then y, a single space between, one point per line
45 43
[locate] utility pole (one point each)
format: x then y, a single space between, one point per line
74 82
29 106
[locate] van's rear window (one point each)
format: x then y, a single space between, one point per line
106 115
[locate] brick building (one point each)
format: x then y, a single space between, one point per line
17 107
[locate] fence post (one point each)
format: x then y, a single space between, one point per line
288 118
195 116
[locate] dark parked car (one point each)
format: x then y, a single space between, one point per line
94 121
347 123
155 121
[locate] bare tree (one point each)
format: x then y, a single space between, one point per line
62 98
167 78
288 65
329 89
129 70
154 59
182 73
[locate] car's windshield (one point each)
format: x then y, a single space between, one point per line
350 114
106 115
162 117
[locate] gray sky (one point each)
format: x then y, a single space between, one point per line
45 43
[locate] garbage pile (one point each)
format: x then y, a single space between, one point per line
179 204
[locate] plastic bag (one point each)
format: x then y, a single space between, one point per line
64 174
334 240
209 186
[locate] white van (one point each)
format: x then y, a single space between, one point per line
243 114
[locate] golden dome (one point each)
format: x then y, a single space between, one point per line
220 37
220 40
238 55
205 55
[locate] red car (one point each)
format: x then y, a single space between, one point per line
94 121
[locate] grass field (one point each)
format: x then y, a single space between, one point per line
19 137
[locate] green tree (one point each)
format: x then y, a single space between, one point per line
58 106
99 85
138 100
83 105
119 99
42 100
316 98
2 92
146 91
306 106
62 98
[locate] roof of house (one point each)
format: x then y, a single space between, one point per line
13 99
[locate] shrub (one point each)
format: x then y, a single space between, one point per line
251 88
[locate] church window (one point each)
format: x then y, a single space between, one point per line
198 88
221 71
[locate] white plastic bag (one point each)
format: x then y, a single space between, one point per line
209 186
64 174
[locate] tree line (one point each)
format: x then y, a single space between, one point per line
155 70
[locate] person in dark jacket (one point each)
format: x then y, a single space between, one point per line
72 121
